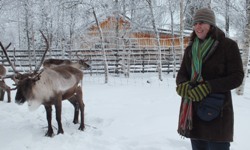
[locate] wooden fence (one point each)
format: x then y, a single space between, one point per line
119 61
134 60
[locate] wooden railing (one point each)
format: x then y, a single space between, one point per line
134 60
138 60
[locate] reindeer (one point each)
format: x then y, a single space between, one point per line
79 64
3 86
49 86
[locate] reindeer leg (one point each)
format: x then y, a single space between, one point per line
74 102
7 88
3 88
58 106
76 114
82 125
2 91
81 105
1 94
49 116
9 95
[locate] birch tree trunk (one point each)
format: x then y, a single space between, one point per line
73 11
60 37
245 51
102 47
159 65
173 41
117 37
126 42
181 28
28 29
227 3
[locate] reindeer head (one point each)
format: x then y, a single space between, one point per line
27 80
24 84
83 63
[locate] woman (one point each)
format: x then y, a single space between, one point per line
211 64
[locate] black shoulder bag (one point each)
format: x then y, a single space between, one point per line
210 107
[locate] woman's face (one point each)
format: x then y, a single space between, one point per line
201 29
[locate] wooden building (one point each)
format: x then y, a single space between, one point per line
128 36
129 48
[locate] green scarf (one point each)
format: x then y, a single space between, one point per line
199 51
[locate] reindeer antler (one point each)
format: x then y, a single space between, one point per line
7 56
44 54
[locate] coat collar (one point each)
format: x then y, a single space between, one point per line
219 35
212 50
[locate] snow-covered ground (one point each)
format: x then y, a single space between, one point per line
125 114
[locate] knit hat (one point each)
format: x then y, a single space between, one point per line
204 15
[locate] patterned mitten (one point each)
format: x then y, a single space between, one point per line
199 92
182 89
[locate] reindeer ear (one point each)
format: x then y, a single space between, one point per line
38 77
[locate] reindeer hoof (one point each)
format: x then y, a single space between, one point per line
75 121
60 132
49 134
81 128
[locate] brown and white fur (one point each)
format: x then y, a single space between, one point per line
49 86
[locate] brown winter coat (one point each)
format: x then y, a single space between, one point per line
222 68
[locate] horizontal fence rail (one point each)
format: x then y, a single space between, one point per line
132 60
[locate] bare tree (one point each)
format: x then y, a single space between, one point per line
227 3
65 21
159 59
60 23
117 17
102 47
182 27
171 8
126 40
245 52
72 27
29 28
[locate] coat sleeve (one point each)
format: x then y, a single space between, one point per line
184 72
234 70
